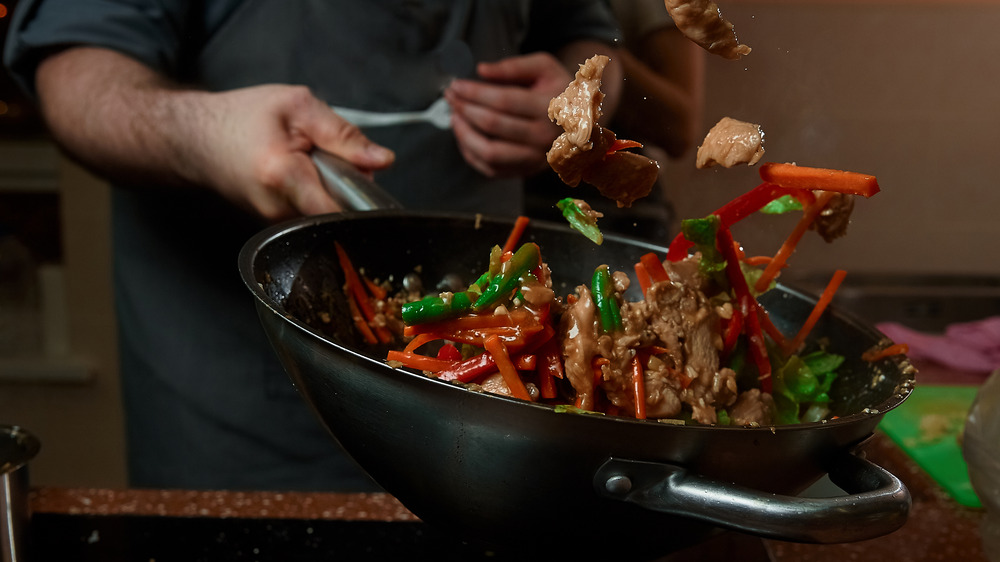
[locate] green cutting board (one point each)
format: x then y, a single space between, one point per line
928 427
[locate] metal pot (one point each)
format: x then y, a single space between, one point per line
523 475
17 448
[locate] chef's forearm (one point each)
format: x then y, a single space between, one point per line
120 118
574 54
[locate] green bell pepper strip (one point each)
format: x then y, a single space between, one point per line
435 308
609 315
524 260
580 220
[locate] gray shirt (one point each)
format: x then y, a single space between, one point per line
207 404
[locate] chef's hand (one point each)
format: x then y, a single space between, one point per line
131 125
501 123
269 132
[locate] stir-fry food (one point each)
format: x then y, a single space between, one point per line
697 347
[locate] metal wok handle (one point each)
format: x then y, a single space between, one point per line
877 505
353 190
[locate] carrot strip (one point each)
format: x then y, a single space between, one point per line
375 289
873 355
758 260
770 329
420 362
515 234
547 385
357 288
781 258
803 177
526 362
824 300
654 267
639 386
497 349
643 276
418 341
360 323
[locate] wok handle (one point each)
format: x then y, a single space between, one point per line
877 502
351 189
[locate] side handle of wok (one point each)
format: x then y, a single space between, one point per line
349 187
877 502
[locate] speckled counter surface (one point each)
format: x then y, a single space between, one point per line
162 525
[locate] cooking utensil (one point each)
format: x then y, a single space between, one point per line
437 114
17 448
521 474
350 188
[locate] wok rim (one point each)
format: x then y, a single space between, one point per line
271 234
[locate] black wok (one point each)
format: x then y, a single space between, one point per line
522 474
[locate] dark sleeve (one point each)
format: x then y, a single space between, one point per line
147 30
555 23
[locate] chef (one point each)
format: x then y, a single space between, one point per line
202 116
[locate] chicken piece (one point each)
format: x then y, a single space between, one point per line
752 408
578 108
687 324
731 142
586 151
701 21
831 223
578 327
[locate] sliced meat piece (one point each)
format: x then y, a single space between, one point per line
578 334
586 151
752 408
832 221
731 142
578 108
701 21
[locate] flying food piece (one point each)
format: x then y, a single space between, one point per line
731 142
588 152
701 21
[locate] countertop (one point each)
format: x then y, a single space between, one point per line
161 525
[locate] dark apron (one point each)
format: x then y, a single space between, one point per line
208 405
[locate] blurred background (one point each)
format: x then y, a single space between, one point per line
904 90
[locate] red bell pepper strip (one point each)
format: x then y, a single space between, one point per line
654 267
643 276
731 333
449 352
475 367
736 210
748 307
622 144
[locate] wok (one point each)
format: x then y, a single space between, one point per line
520 474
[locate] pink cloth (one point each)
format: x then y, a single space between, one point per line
969 346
